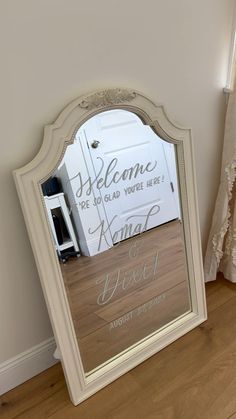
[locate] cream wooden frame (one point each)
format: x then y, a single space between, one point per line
28 180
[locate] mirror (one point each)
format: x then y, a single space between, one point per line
117 205
116 222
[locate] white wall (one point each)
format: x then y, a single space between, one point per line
52 51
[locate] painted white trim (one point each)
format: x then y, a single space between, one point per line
26 365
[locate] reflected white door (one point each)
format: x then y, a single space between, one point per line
129 172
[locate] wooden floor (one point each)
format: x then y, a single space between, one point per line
121 296
193 378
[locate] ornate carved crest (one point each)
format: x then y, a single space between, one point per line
106 98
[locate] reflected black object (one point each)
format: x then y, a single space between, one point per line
57 225
95 144
63 257
52 186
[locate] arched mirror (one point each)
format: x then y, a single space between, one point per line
110 206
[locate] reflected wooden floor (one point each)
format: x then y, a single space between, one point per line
120 296
193 378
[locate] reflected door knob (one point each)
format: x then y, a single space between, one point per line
95 144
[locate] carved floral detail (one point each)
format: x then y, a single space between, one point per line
106 98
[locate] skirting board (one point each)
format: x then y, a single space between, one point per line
26 365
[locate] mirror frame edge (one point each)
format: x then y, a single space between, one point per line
28 181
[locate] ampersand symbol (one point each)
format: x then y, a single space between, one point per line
134 250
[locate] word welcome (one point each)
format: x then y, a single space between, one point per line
110 175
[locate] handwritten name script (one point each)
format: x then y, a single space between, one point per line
119 281
129 229
110 175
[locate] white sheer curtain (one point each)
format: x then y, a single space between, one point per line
221 248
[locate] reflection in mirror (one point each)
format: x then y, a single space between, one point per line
115 215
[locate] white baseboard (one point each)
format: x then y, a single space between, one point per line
26 365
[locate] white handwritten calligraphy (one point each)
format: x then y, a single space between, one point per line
127 230
136 312
110 176
119 280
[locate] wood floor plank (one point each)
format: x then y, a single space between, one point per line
107 342
141 295
44 394
115 285
193 378
219 292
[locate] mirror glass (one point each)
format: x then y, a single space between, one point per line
114 209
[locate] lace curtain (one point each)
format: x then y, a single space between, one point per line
221 248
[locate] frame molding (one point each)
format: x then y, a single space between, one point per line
28 181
